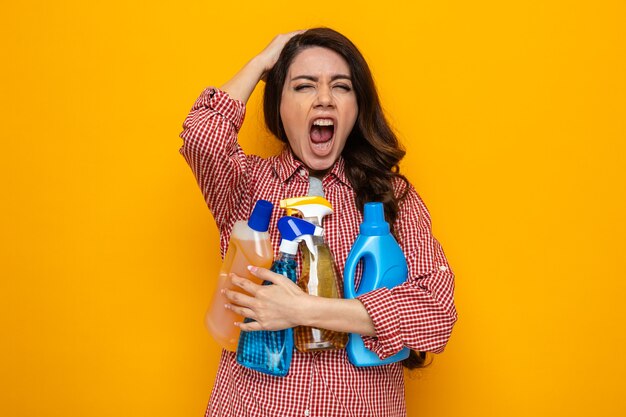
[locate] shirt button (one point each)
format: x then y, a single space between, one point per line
307 413
443 268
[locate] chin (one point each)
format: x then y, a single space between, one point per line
320 168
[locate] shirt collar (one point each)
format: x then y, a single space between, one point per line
286 165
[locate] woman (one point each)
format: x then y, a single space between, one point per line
320 100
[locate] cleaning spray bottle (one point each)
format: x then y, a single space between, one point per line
319 275
270 352
249 245
384 265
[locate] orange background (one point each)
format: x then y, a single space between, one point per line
513 114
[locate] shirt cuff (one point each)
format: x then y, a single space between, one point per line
219 101
381 307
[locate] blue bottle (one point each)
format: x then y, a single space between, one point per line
384 265
270 352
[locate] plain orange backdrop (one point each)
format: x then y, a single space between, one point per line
513 115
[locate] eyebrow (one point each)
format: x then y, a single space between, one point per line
316 79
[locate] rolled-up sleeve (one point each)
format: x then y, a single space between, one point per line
211 149
420 313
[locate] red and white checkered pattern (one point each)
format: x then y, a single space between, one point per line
419 314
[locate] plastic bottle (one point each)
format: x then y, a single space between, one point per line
249 245
270 352
384 265
319 274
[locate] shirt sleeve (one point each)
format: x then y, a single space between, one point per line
211 149
420 313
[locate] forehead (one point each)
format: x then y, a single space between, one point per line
318 61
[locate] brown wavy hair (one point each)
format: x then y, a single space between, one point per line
372 151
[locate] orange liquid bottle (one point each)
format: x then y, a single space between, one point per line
249 245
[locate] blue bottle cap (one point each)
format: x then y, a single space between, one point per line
260 218
374 223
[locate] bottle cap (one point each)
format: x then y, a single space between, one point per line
260 218
374 223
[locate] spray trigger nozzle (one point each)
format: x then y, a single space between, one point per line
294 230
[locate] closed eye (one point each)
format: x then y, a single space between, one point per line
301 87
344 87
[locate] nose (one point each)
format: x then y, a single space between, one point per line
324 97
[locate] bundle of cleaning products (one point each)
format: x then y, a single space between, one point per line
375 248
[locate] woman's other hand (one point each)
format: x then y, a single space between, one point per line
283 305
272 307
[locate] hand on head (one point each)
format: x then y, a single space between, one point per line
242 84
270 54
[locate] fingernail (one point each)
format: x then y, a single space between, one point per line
226 306
252 268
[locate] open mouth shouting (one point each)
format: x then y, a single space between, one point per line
321 134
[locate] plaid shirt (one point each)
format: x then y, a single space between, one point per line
419 314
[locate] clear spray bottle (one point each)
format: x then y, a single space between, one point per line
270 352
319 274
